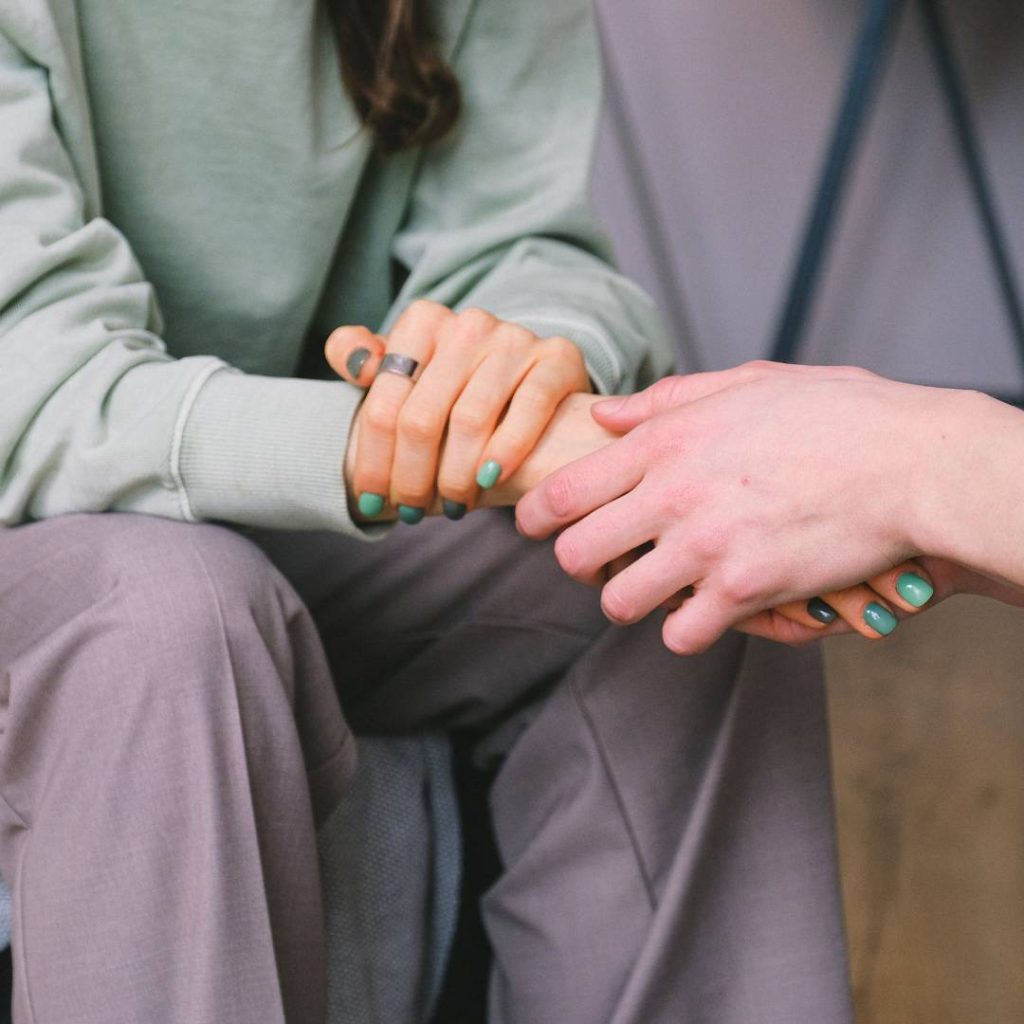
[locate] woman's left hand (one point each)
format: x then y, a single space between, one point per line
483 395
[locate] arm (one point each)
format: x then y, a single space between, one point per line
94 414
499 217
766 485
499 231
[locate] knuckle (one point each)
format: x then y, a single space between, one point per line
667 387
738 585
423 309
617 606
852 371
677 503
571 555
470 417
381 416
563 349
472 323
680 641
704 544
513 336
533 400
561 495
419 424
511 449
455 488
416 496
760 366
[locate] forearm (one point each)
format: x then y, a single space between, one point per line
969 490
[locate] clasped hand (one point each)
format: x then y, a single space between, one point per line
729 500
738 496
485 392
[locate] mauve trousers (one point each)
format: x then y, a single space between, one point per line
172 733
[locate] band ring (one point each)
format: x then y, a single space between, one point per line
403 366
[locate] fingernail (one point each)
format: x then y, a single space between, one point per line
822 611
611 405
488 474
880 619
453 509
356 361
371 504
410 514
914 590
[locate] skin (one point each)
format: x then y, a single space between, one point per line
486 390
571 434
754 489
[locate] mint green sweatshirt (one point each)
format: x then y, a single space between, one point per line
187 199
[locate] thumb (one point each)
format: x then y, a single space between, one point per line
622 414
354 353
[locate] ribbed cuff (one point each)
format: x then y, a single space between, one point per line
602 359
270 452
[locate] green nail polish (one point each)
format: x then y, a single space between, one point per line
488 474
453 510
371 504
914 590
880 619
356 361
410 514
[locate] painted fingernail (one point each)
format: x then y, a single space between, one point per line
488 474
820 610
880 619
356 361
410 514
371 504
915 590
453 509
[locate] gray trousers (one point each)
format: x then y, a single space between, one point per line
172 732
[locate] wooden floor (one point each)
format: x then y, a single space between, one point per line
928 732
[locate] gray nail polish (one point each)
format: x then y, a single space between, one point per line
356 361
818 609
453 510
410 514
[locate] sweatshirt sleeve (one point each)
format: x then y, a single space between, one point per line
499 216
94 414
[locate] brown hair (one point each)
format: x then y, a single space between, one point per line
401 85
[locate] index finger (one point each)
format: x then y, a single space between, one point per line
578 488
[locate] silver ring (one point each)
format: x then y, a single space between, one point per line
404 366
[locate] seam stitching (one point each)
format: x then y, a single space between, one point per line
178 437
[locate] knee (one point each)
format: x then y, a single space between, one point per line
196 598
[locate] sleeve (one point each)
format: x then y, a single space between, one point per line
499 216
94 414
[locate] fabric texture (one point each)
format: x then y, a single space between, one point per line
170 737
390 862
231 213
664 824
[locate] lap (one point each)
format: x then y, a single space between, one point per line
442 624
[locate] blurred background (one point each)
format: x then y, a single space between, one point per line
717 122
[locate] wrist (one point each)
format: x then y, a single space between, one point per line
956 459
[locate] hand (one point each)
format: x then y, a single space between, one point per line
791 623
756 487
485 394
